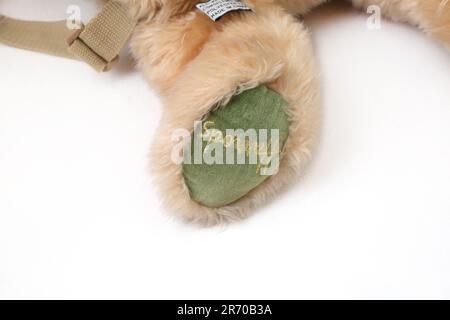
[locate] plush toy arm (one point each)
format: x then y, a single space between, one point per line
433 16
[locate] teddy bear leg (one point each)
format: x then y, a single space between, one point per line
247 76
433 16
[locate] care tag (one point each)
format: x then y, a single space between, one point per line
215 9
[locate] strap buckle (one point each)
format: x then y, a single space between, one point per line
78 47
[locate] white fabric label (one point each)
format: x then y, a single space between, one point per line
216 9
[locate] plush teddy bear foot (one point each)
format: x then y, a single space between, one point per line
247 77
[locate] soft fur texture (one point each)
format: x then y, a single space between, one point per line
196 64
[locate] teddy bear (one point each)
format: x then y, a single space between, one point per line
254 63
239 85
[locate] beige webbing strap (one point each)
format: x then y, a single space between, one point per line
46 37
98 43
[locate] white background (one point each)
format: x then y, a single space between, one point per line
79 217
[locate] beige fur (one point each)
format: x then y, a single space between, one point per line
196 64
433 16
